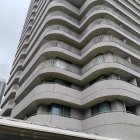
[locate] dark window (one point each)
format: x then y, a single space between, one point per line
100 78
131 109
58 81
59 110
62 82
101 108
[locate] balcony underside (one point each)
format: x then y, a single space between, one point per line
77 3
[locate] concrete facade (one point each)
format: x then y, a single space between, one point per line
2 88
77 67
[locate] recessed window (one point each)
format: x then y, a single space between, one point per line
101 108
58 81
62 82
100 78
59 110
131 109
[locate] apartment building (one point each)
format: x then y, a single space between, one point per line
2 88
77 67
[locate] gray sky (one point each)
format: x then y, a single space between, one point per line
12 17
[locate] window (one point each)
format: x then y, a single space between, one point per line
131 109
62 82
101 108
104 107
100 78
59 110
58 81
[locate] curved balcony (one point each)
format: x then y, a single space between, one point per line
108 22
57 121
71 32
109 38
110 11
91 48
136 4
129 6
114 4
93 24
109 58
64 15
11 94
60 1
112 121
93 11
106 89
17 68
14 80
59 67
49 90
21 56
30 16
6 111
122 124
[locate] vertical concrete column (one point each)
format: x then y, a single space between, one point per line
75 113
41 109
134 81
138 109
117 106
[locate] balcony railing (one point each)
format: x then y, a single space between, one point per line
59 13
109 58
9 94
60 64
62 28
9 105
124 10
92 25
108 22
115 4
108 38
96 8
60 44
64 2
94 41
101 7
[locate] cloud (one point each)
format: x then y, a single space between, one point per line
4 71
12 15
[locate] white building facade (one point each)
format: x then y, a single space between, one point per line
77 67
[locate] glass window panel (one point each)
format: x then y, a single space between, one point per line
66 111
100 78
57 110
104 107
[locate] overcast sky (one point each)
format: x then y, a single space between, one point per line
12 17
